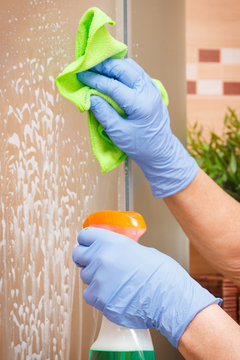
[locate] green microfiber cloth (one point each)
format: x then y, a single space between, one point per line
94 44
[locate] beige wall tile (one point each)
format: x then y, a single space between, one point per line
213 23
218 72
191 54
209 112
210 71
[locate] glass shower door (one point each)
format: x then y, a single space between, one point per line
50 182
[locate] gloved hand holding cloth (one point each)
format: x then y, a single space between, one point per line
144 134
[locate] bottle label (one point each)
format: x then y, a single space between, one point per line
121 355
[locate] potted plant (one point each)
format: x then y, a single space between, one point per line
219 156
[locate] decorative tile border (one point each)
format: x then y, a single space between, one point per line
218 85
191 87
212 88
209 87
191 71
230 56
231 88
208 55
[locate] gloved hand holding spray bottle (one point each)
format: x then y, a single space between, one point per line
136 287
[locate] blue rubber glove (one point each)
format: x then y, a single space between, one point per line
145 135
136 286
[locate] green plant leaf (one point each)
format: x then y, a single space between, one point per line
219 156
233 163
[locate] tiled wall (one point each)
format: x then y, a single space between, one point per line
213 60
213 72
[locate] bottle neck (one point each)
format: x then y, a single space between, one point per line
118 338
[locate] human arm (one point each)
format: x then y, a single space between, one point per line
212 334
211 220
139 287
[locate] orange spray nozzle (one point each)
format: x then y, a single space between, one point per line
129 223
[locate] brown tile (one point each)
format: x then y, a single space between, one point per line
208 55
231 88
191 87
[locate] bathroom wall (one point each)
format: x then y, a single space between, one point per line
157 39
212 73
50 182
213 60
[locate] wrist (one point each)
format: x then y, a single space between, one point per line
176 306
172 174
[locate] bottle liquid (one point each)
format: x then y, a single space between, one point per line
115 342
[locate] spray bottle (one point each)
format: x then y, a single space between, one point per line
116 342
